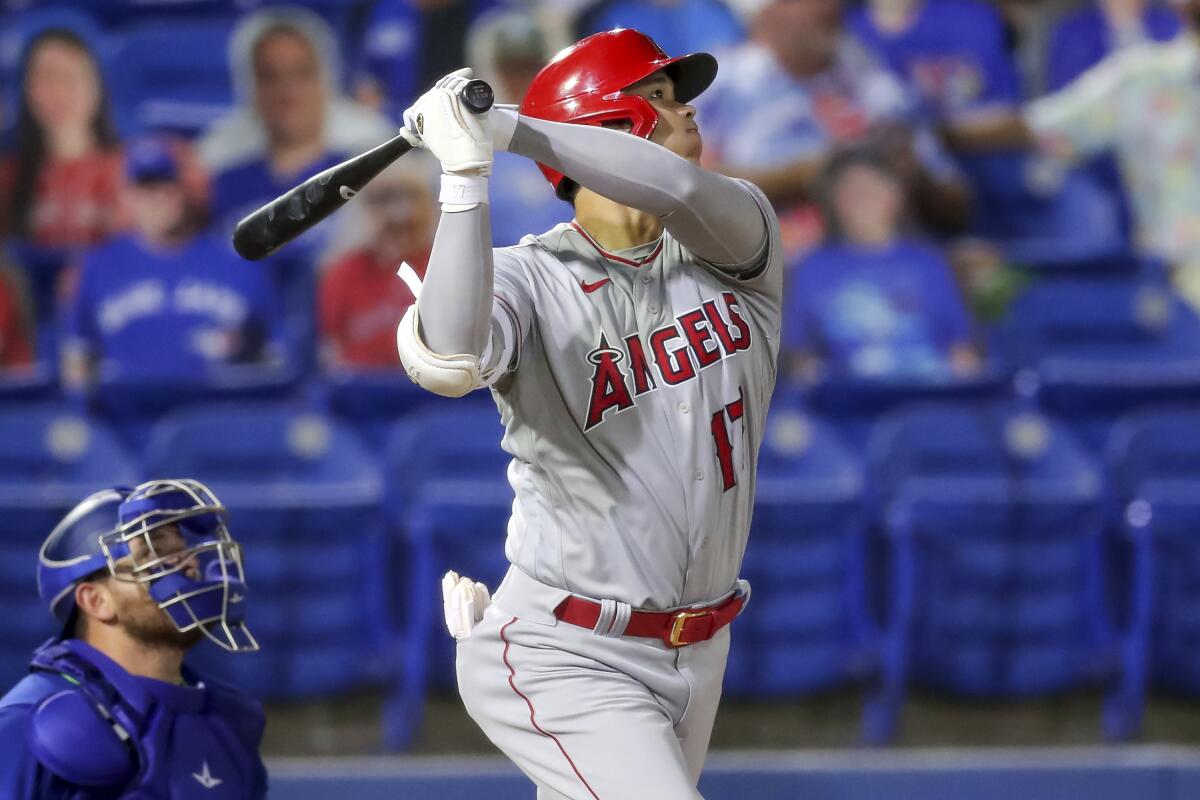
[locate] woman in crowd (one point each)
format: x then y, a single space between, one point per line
60 186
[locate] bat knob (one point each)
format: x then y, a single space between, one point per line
477 96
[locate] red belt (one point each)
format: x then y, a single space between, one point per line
676 628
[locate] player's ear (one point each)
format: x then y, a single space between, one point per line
94 599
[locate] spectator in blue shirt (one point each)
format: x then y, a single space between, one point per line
679 26
872 301
799 88
952 51
508 48
293 123
164 302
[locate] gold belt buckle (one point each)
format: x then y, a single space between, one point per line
681 619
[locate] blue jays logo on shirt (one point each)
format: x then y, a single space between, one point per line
150 297
708 337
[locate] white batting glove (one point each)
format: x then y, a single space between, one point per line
459 138
463 601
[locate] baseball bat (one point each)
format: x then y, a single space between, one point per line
264 231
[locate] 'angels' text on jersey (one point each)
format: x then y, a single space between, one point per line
708 335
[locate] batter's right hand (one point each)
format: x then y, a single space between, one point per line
459 138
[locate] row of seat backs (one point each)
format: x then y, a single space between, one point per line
929 455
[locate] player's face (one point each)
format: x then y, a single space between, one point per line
137 612
288 88
62 86
676 129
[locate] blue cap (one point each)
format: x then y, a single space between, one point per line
72 550
150 159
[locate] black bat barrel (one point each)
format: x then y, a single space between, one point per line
286 217
278 222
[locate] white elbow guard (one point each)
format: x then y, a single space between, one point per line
449 376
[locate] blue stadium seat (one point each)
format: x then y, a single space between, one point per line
997 587
34 384
855 404
1103 347
304 497
448 494
1077 225
132 404
1154 461
372 400
807 627
50 459
174 75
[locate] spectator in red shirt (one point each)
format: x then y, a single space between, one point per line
361 299
60 187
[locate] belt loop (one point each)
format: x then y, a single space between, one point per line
608 611
620 620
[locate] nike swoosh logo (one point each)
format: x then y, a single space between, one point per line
588 288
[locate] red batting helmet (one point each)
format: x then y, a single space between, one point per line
583 84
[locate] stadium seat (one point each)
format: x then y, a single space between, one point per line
34 384
448 495
807 627
133 403
1154 461
174 75
1103 347
50 459
1076 225
853 405
304 497
372 400
994 519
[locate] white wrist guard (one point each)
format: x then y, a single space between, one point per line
462 192
449 376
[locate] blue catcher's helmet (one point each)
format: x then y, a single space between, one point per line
72 551
172 537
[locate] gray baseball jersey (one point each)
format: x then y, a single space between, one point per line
633 407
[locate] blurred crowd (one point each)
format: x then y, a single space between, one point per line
927 159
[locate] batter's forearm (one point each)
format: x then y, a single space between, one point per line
456 296
710 214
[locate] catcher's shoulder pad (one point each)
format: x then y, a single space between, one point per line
77 740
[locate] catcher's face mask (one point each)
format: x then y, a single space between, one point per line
173 538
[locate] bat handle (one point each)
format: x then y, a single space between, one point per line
477 96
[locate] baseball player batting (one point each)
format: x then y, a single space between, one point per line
632 355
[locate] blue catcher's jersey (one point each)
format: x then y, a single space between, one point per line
194 742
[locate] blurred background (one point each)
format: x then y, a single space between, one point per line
978 519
